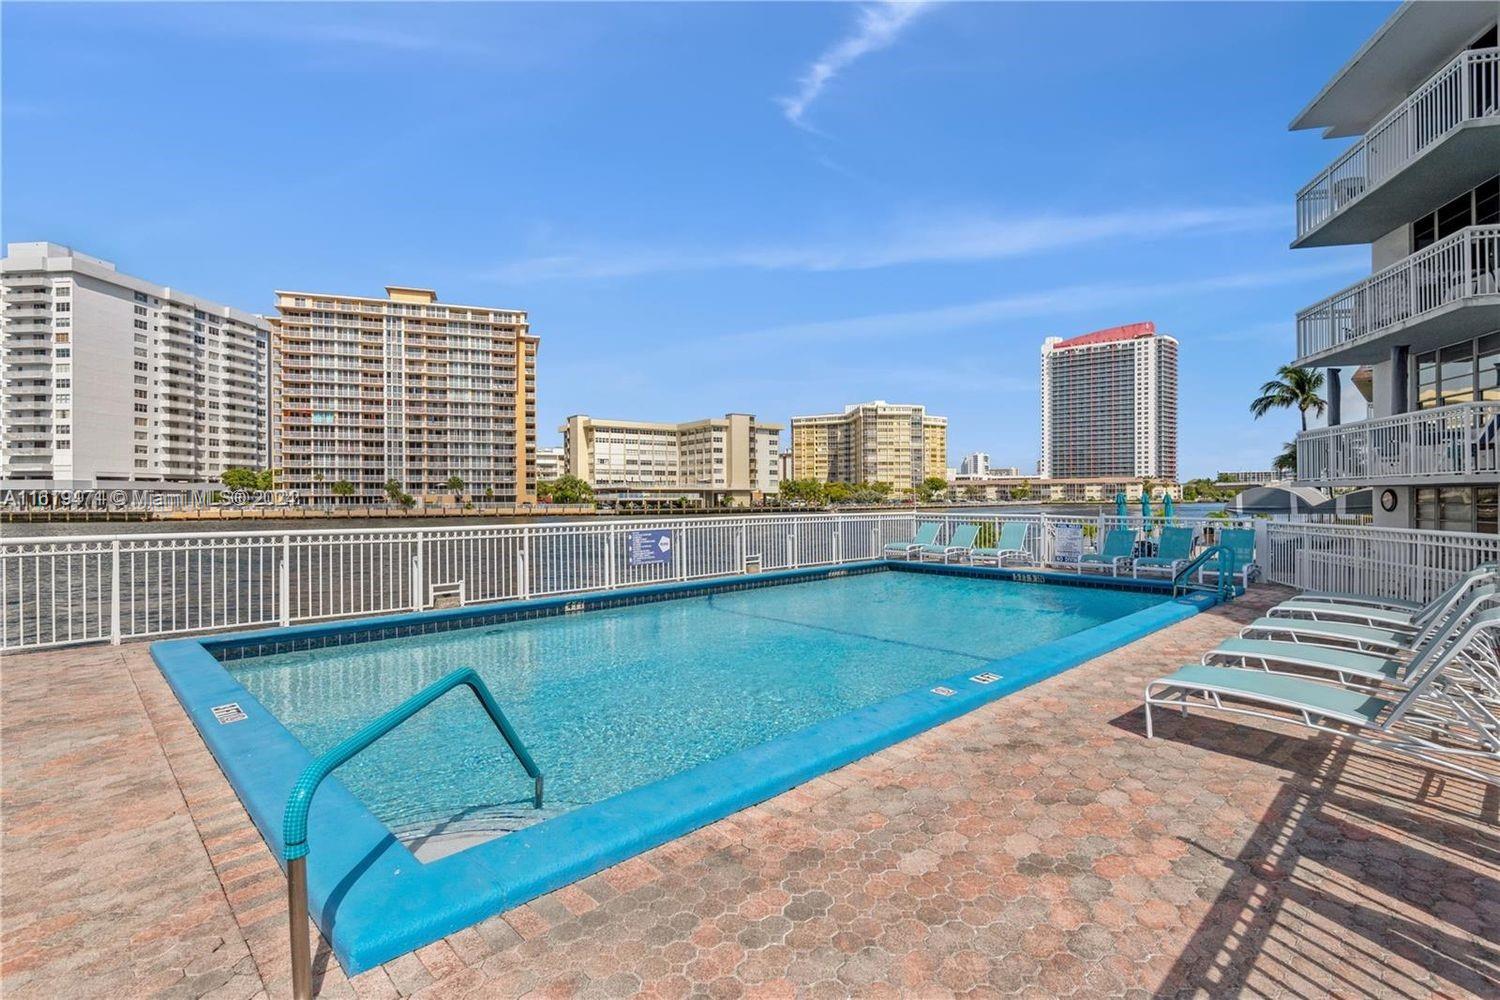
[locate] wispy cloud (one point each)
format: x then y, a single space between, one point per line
931 237
878 27
1049 302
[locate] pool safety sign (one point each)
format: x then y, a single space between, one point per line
1068 544
649 548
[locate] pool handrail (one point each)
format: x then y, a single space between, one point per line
298 804
1225 555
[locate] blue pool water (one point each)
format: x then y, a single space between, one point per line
610 700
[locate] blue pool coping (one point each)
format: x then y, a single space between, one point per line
373 899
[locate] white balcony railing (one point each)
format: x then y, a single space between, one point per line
1461 266
1450 443
1466 89
1407 564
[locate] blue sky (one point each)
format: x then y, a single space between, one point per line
711 207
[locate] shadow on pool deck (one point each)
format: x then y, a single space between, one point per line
1038 845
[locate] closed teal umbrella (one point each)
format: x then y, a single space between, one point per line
1121 511
1166 506
1145 509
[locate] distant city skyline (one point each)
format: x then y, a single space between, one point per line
745 209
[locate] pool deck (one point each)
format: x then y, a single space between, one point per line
1040 845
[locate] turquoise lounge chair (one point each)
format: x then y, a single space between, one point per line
1241 545
926 535
1012 542
1449 725
961 544
1118 551
1174 551
1319 608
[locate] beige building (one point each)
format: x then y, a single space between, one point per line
110 380
405 387
730 456
1101 490
875 442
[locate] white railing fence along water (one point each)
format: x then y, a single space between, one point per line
1462 266
62 591
1448 442
65 590
1467 89
1383 562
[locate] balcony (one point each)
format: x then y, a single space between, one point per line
1443 293
1437 144
1450 444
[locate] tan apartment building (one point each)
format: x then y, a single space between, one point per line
405 387
874 442
733 456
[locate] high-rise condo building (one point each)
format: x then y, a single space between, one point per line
976 463
1109 405
109 379
875 442
366 390
1421 185
733 456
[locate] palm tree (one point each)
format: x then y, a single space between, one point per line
1287 460
1292 387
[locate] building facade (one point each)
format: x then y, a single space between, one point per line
734 456
1256 478
1100 491
1109 405
975 463
113 380
550 464
875 442
366 390
1420 184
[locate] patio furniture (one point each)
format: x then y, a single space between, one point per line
961 544
1012 542
926 535
1115 555
1173 552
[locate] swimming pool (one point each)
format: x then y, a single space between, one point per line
618 698
652 712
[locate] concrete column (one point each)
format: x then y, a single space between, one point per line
1335 400
1400 376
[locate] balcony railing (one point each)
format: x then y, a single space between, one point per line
1463 265
1447 444
1467 89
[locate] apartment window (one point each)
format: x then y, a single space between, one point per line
1479 207
62 291
63 307
140 324
1459 508
64 352
1459 373
140 296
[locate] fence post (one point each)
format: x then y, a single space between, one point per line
523 563
418 566
286 580
875 552
114 593
609 559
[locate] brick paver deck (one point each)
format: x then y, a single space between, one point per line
1039 846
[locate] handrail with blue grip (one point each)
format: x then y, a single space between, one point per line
1225 555
294 820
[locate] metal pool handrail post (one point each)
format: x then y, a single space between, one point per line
294 820
1225 556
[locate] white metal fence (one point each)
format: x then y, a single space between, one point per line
60 591
1462 266
69 590
1466 89
1387 562
1447 443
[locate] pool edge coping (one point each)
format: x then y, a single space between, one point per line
374 901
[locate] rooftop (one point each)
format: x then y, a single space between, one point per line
1039 845
1130 331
